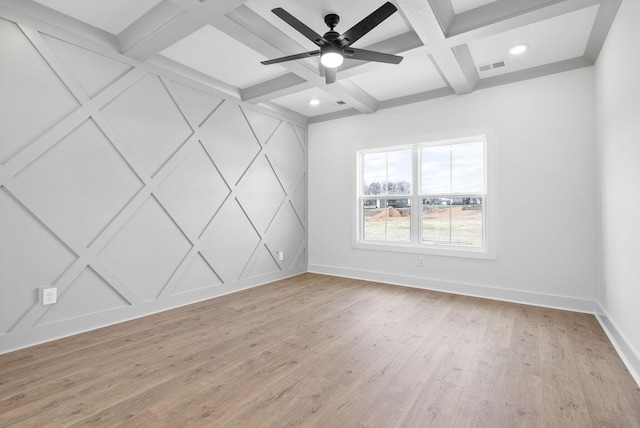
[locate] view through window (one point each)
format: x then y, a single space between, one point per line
424 195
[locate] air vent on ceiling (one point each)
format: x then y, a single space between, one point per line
493 66
340 102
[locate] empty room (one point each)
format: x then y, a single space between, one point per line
279 213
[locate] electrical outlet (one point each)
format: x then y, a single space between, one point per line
420 261
48 295
281 255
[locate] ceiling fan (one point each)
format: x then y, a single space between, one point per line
334 47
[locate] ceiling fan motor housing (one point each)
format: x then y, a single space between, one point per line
331 20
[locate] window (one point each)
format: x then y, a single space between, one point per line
386 189
425 198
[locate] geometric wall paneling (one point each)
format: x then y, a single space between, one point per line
232 242
299 199
92 71
119 185
149 122
286 156
83 180
230 142
260 194
264 263
145 253
33 96
286 234
193 192
88 294
198 103
303 258
302 136
19 230
263 125
199 275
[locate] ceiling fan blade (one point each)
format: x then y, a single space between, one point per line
367 24
299 26
291 57
330 74
365 55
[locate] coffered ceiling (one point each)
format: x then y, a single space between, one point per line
449 46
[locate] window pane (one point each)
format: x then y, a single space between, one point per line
374 174
436 170
387 220
436 221
399 167
466 222
467 167
373 215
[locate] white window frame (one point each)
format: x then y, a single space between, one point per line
487 251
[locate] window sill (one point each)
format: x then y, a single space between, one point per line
459 252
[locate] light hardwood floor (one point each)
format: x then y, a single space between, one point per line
321 351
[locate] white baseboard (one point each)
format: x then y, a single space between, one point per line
629 355
21 339
476 290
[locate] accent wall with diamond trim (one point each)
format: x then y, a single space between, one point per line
133 190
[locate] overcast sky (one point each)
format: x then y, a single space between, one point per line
458 168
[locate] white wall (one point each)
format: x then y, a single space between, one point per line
133 190
546 241
618 134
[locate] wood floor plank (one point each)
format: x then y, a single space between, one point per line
435 406
323 351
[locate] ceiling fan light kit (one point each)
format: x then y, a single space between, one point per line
331 59
334 46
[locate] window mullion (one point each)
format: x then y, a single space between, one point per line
451 196
416 205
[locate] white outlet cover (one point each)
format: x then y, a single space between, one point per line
48 295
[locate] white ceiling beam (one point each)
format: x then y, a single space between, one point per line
186 4
285 111
467 65
606 14
334 115
153 41
352 95
444 13
281 86
426 25
164 36
158 16
195 75
452 71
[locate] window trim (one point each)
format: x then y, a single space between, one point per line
488 251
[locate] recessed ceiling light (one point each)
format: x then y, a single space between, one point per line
314 102
518 49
